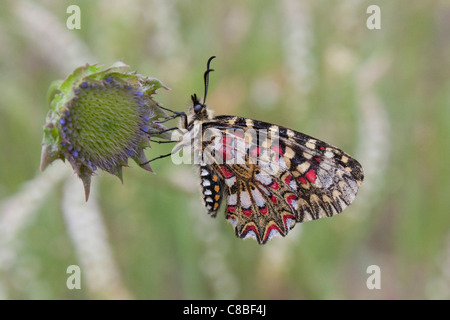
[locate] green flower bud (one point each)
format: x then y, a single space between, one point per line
99 118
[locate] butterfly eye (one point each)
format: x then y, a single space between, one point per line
198 107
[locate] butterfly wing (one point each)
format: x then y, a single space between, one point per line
303 178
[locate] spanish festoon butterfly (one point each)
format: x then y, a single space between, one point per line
268 177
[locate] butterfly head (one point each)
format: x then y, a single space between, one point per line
199 111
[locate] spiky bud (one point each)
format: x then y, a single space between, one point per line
99 118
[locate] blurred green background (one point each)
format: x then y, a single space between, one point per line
313 66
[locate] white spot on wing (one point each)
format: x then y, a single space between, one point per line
329 154
245 199
259 200
294 204
290 222
264 178
230 181
293 185
232 199
273 233
250 234
206 183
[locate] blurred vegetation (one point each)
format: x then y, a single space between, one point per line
380 95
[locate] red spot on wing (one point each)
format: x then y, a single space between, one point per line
263 210
288 179
273 199
226 172
274 185
311 175
247 212
231 209
318 159
322 148
226 148
302 180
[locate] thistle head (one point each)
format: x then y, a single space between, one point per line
99 118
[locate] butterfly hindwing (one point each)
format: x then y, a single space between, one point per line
257 205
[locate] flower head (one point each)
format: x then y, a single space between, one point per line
99 118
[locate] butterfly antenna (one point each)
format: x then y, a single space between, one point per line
206 77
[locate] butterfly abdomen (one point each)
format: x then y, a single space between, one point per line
212 189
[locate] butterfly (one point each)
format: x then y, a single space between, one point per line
267 177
